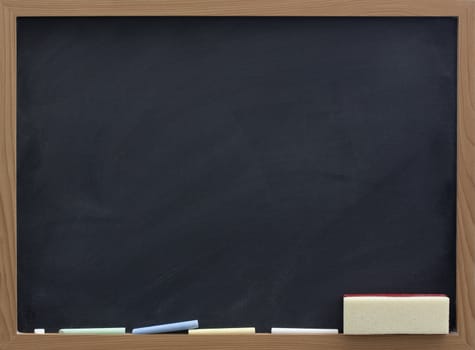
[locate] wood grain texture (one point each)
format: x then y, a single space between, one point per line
235 342
463 9
237 7
8 312
466 177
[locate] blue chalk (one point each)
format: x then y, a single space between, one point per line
167 328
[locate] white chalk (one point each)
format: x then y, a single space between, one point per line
39 331
95 331
303 331
396 314
242 330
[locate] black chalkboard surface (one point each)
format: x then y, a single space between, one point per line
238 171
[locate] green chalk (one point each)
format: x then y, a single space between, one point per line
98 331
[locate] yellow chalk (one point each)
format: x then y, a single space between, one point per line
208 331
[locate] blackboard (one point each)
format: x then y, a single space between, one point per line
241 171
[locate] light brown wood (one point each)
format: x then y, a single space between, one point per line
464 339
237 7
465 177
235 342
8 309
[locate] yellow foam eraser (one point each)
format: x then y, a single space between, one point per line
395 314
242 330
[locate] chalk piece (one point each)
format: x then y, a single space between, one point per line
167 328
395 314
117 330
39 331
303 331
242 330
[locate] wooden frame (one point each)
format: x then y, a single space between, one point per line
463 339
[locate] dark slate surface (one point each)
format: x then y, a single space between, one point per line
239 171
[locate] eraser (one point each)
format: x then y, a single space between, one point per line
242 330
303 331
99 331
395 314
167 328
39 331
